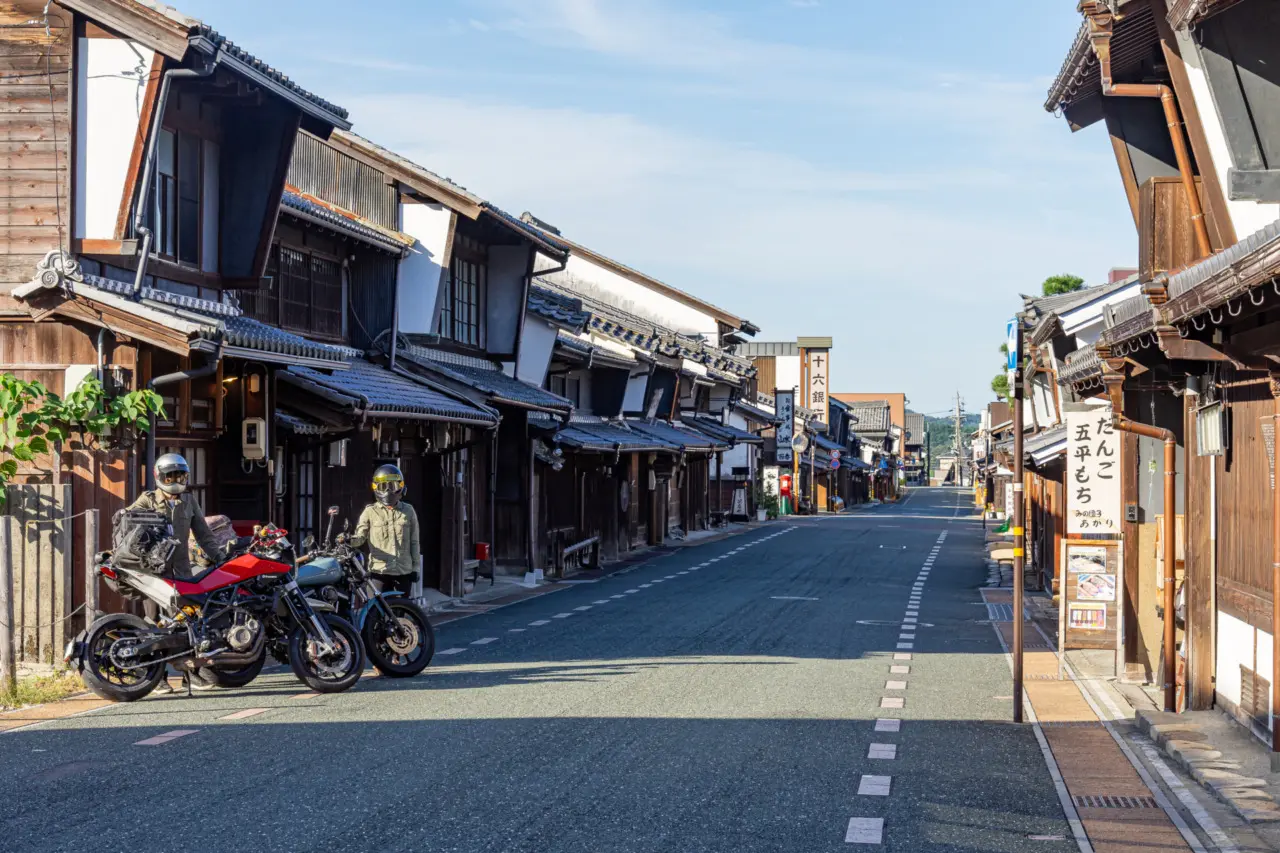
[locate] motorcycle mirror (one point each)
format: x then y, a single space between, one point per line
308 542
333 510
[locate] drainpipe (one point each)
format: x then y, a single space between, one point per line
1101 19
1123 424
148 165
1275 596
169 379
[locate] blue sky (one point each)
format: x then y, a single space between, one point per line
821 167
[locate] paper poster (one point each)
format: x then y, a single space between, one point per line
1086 559
1087 616
1096 587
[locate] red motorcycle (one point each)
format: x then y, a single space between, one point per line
219 622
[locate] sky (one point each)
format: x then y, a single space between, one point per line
819 167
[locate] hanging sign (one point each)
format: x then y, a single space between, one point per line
816 397
1013 343
786 408
1093 472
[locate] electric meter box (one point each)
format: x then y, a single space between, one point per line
253 438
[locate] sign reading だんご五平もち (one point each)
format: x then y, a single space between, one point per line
1093 471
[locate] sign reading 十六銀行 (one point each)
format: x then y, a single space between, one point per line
819 374
1093 471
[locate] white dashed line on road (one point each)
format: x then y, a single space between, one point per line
892 702
874 786
888 725
454 651
484 641
902 656
540 622
245 714
583 607
895 685
562 616
516 630
900 669
905 645
865 830
160 740
793 598
601 601
882 751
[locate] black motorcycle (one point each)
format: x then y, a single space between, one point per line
397 635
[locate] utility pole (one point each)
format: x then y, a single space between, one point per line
1018 537
959 455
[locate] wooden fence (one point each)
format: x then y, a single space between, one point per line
38 519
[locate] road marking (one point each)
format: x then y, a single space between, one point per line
644 586
874 786
902 656
892 702
655 580
669 577
883 751
583 607
906 636
793 598
245 714
682 573
516 630
562 616
540 622
895 685
905 645
160 740
484 641
898 669
619 595
630 591
865 830
305 696
451 652
909 620
888 725
601 601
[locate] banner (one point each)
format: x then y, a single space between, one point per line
786 409
1093 472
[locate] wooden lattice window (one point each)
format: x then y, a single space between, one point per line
462 311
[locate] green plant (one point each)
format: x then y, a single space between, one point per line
33 420
768 502
1057 284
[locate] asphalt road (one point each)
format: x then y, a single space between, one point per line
722 698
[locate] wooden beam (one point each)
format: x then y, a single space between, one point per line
134 173
154 29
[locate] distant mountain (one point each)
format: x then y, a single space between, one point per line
942 430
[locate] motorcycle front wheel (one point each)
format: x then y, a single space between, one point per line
402 648
331 672
102 671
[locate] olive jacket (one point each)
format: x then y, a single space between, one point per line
392 535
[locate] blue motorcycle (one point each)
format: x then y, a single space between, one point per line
397 635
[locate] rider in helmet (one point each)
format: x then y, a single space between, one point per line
389 526
185 517
184 514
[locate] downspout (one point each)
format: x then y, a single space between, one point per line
1275 596
1169 533
1101 20
169 379
148 165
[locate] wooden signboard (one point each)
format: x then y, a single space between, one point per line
1090 609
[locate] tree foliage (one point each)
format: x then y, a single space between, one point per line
1057 284
33 420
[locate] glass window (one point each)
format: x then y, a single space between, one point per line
177 209
188 198
463 304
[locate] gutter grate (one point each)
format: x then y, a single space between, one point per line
1104 801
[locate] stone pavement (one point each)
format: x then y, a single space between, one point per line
1118 811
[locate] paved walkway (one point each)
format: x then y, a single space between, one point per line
1118 811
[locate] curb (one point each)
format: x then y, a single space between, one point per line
1186 746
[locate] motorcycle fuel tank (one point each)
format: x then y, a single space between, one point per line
320 571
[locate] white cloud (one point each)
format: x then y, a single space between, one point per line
876 259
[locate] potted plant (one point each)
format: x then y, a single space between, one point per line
766 505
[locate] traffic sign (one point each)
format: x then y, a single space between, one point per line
835 454
835 463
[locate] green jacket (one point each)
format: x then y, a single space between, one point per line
186 518
392 535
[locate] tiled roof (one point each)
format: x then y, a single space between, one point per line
299 425
756 413
722 432
309 207
686 439
916 427
607 436
827 444
377 391
485 377
224 45
1080 365
558 307
1061 303
872 416
251 334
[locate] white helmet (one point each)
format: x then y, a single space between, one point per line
171 474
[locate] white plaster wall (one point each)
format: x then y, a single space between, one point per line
535 351
108 110
421 270
1246 216
1237 641
787 372
739 456
590 279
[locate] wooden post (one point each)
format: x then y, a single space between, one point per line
90 570
8 661
1019 539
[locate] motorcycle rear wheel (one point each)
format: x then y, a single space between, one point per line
234 677
336 672
399 659
101 675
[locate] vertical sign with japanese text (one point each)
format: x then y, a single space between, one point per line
819 376
786 409
1093 471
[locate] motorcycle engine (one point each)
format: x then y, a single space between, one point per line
243 632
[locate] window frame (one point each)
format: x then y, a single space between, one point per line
471 332
166 198
268 305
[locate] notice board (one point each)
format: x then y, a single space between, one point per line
1090 610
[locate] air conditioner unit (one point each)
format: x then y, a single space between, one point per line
1211 429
